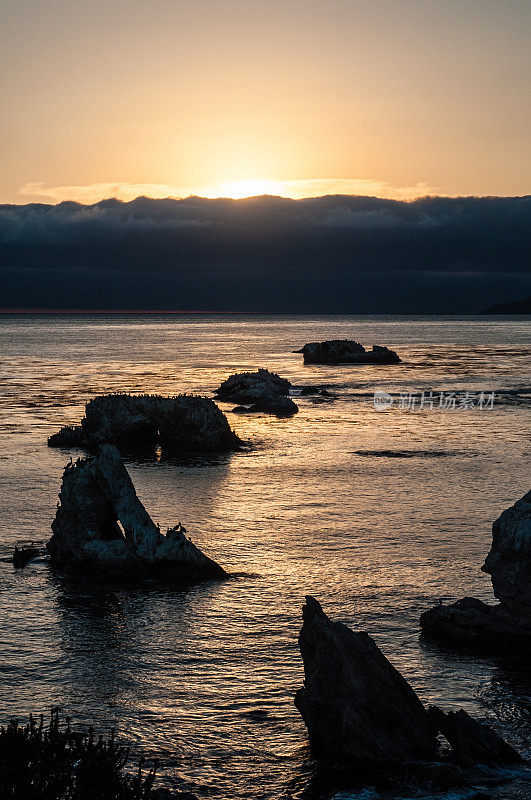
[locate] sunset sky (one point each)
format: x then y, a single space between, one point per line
397 98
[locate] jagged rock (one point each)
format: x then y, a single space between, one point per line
346 351
135 421
357 707
470 622
509 560
361 713
472 742
101 525
280 407
253 387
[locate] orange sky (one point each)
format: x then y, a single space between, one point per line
297 97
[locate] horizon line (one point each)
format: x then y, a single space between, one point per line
178 199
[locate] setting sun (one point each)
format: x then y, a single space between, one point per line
249 187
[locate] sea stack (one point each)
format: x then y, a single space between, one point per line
101 527
357 707
362 714
473 623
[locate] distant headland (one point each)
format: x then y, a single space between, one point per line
512 307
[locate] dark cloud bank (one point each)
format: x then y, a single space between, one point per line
336 254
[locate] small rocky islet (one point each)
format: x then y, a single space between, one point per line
346 351
184 422
258 392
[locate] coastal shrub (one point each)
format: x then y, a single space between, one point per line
53 762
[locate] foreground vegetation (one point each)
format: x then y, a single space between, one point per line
53 762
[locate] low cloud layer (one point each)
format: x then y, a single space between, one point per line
334 254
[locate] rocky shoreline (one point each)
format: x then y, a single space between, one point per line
473 624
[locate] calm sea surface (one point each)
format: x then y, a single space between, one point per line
204 679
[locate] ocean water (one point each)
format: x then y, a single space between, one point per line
378 514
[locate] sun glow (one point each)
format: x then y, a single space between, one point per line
249 187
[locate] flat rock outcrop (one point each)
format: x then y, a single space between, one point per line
184 422
261 391
346 351
102 527
473 623
362 714
357 707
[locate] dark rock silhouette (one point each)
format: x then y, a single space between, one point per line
315 390
250 387
473 623
263 391
509 560
23 555
184 422
280 407
512 307
101 526
361 713
346 351
471 741
357 707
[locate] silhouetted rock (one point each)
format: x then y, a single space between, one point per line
279 406
512 307
472 742
509 560
262 391
253 387
472 623
358 709
184 422
362 714
23 555
315 390
346 351
101 525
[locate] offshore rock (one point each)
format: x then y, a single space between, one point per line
262 391
509 560
279 406
472 742
253 387
184 422
101 526
346 351
357 707
470 622
362 714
